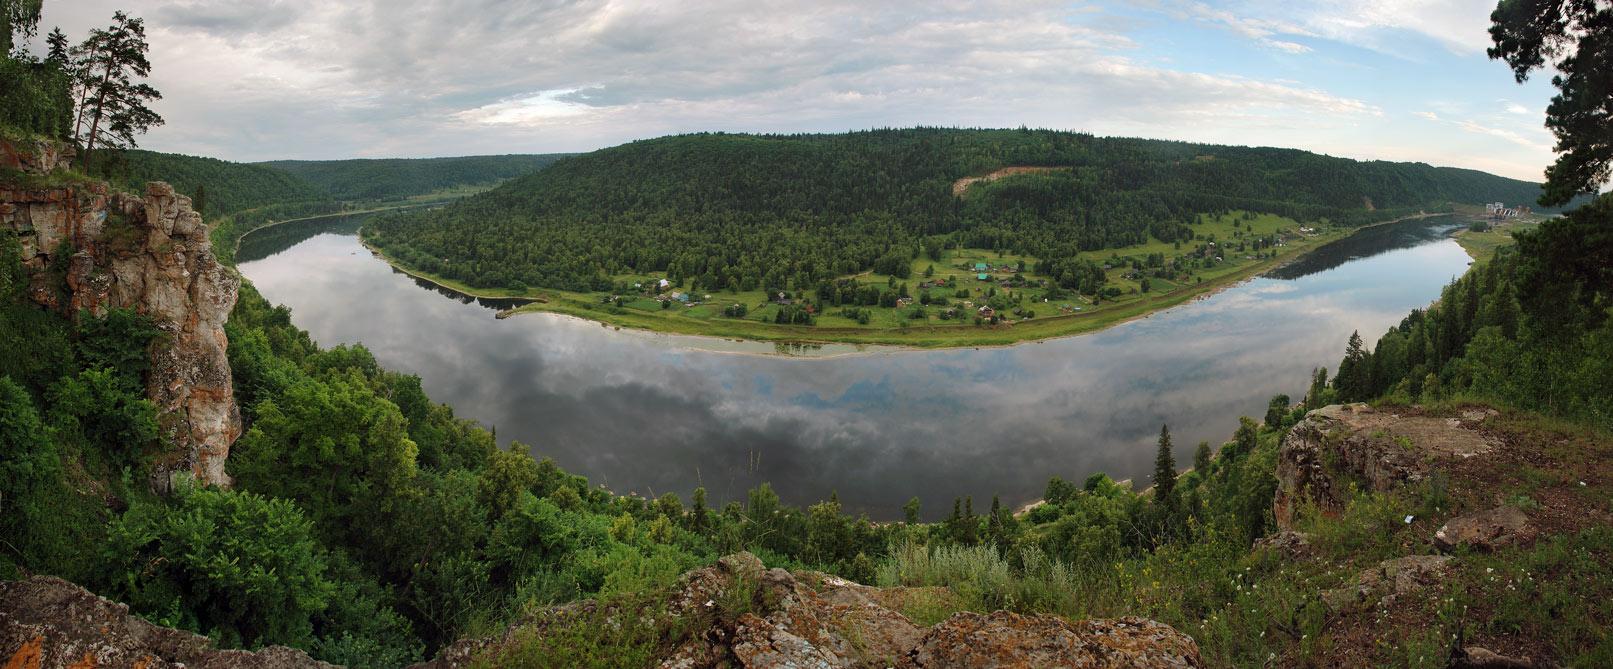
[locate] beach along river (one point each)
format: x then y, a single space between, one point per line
650 413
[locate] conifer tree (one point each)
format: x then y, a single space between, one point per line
1164 466
113 108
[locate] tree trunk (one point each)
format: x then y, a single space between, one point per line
78 122
95 125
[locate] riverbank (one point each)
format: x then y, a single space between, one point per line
928 333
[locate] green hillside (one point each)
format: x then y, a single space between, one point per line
229 187
401 177
797 210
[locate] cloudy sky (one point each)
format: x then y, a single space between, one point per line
254 80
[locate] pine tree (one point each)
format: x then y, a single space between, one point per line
1164 466
113 106
58 47
199 203
1355 371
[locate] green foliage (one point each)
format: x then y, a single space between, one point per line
113 108
1164 466
228 187
34 98
98 410
235 564
399 177
802 210
1574 40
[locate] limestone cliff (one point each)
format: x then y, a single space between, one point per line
89 248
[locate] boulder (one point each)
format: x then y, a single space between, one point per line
48 622
1337 445
1486 530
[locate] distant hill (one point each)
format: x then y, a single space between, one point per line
361 179
230 187
743 208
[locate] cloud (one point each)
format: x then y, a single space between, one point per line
265 79
1460 26
1425 114
1503 133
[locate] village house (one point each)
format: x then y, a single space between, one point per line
985 311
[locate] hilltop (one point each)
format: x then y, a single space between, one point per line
822 237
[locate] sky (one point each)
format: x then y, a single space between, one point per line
251 80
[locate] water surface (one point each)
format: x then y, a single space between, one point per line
652 413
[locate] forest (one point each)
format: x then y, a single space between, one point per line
216 187
796 210
390 178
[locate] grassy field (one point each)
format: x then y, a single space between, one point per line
1481 246
956 269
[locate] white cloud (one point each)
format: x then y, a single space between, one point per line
1503 133
1461 26
1426 114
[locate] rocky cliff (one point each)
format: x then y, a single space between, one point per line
90 249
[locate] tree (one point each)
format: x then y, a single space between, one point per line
1567 264
18 18
112 104
1276 409
199 203
1164 466
1576 36
1201 459
58 48
1355 371
1313 398
910 511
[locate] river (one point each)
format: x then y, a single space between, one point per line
650 413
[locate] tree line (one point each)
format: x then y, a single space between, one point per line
389 178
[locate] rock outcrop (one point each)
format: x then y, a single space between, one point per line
1485 530
35 156
92 249
1390 579
1338 445
48 622
809 619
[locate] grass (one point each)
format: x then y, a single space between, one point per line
895 326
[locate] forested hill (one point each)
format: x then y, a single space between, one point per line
727 208
399 177
226 187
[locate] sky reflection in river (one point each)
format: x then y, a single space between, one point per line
653 413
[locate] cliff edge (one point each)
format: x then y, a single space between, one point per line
88 248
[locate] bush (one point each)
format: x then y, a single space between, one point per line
236 565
